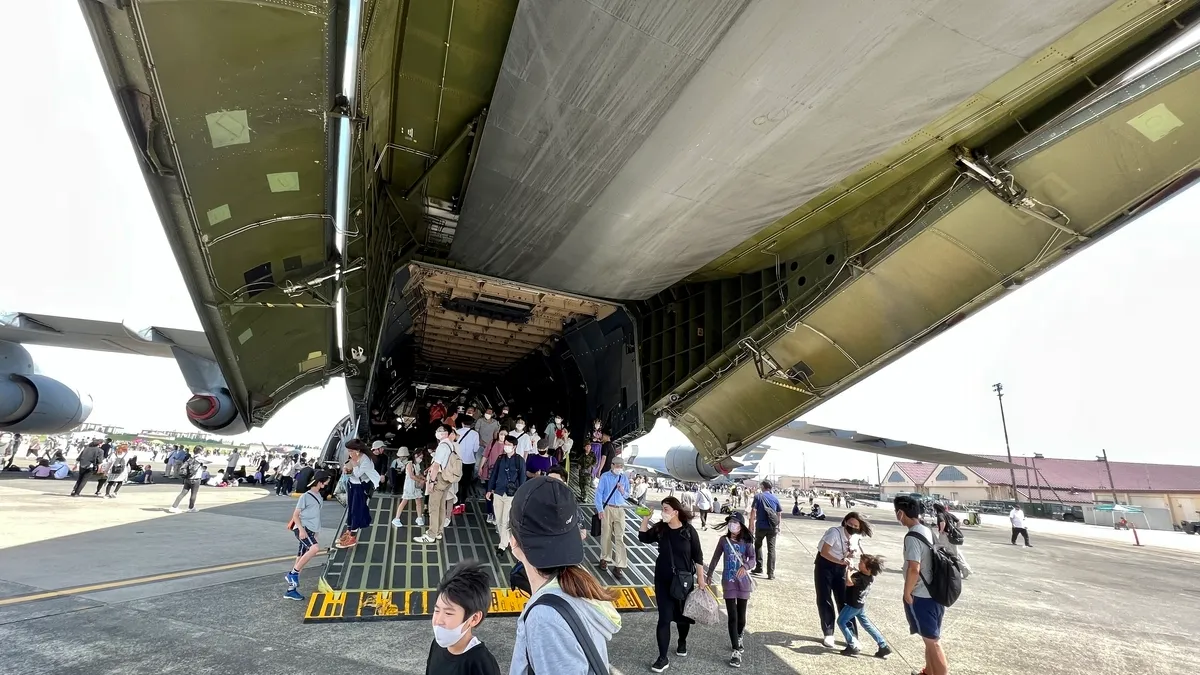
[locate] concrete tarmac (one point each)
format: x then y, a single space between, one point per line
1067 606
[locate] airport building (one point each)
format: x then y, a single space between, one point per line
1168 487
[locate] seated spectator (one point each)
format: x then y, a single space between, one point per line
41 470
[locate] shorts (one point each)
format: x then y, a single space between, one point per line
925 617
306 543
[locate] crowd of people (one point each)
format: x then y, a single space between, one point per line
522 476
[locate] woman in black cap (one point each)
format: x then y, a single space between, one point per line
737 549
544 530
679 554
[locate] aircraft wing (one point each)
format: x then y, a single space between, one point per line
647 470
103 336
853 440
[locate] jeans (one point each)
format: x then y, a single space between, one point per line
768 533
849 614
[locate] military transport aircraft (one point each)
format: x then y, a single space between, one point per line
722 212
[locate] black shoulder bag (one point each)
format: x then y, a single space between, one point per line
682 582
596 516
564 609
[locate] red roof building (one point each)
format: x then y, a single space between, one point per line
1067 481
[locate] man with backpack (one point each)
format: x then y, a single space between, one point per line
764 524
190 472
932 582
950 536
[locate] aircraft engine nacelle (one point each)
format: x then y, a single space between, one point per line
36 404
685 463
215 413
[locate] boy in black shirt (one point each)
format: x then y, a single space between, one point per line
858 586
464 595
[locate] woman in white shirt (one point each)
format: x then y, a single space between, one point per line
704 503
837 549
360 470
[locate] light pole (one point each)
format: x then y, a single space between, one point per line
1104 458
1012 474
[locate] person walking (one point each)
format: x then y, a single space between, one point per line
736 546
680 557
360 471
836 553
505 477
191 473
923 612
948 529
86 464
704 504
414 486
569 618
444 472
470 448
305 524
117 473
610 508
765 513
1017 518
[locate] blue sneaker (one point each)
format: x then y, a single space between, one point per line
293 580
293 594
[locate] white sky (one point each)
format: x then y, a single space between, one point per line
1095 354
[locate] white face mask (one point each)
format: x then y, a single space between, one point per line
504 412
508 449
520 427
487 416
618 470
446 637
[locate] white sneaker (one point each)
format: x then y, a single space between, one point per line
491 520
420 521
828 641
425 539
192 511
447 523
396 522
174 509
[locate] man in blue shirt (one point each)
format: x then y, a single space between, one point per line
610 506
765 513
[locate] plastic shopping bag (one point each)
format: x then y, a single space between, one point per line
701 606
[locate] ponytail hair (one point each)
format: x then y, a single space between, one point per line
579 583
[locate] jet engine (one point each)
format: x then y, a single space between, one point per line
215 413
36 404
685 463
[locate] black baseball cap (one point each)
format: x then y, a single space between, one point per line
545 518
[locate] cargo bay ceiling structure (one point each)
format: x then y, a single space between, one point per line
721 211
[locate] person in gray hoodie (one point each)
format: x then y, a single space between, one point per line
545 537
